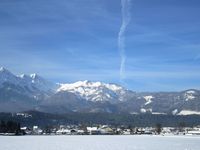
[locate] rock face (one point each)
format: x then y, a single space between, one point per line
32 92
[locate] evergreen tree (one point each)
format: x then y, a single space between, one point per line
158 128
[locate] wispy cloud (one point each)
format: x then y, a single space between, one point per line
76 40
126 18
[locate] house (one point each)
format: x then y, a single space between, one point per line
105 130
92 130
73 132
140 131
195 131
126 132
26 130
37 130
81 132
63 131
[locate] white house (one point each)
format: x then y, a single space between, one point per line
92 130
63 131
37 130
195 131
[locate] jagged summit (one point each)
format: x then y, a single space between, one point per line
25 92
4 70
95 91
24 76
32 81
7 76
87 83
34 76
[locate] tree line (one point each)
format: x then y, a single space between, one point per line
10 127
145 120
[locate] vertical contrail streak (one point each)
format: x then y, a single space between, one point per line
126 18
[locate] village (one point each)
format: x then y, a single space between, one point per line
15 128
110 130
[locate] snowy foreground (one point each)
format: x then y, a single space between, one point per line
99 143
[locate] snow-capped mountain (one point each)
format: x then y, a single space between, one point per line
172 102
95 91
190 95
36 81
7 76
32 92
18 93
32 82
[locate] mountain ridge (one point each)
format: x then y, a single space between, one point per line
25 92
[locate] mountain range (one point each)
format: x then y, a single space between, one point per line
33 92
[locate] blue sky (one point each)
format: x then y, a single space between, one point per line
67 41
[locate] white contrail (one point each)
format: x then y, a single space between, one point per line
126 18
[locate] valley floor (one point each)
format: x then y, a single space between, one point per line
133 142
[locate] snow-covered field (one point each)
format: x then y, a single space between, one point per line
99 143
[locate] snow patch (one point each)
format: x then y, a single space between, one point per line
158 113
94 91
142 110
190 92
174 112
189 112
148 99
134 113
189 95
